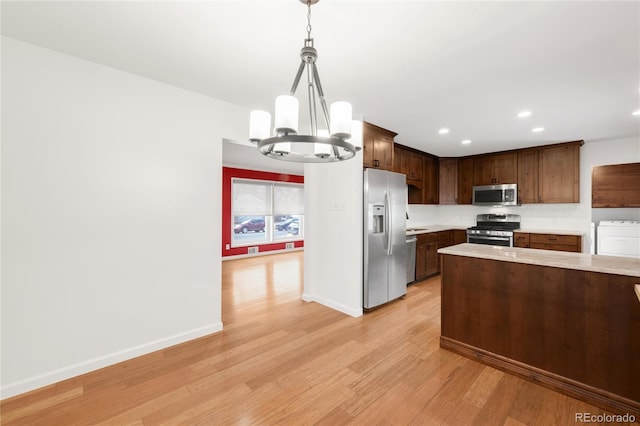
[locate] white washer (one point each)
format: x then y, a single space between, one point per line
619 238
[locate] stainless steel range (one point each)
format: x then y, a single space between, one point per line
494 229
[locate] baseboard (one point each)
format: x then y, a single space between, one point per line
592 395
261 253
65 373
333 305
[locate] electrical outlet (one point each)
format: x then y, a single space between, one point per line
253 250
227 247
288 246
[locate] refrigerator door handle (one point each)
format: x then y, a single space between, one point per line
387 206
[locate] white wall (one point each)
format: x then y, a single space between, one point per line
333 235
111 190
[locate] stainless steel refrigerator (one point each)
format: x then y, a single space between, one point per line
385 251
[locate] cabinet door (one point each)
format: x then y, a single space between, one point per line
505 168
528 176
367 149
432 258
398 157
521 239
483 170
615 185
415 166
430 180
421 257
377 146
559 174
465 180
459 236
383 149
448 181
495 169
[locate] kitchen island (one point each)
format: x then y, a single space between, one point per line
568 321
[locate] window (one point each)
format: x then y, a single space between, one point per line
266 211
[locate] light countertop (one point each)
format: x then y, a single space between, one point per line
426 229
558 259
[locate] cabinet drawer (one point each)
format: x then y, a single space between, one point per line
557 247
567 240
521 239
430 237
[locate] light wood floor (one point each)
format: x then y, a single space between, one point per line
280 360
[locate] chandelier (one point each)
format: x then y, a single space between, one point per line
339 141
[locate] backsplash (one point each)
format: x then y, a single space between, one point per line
561 217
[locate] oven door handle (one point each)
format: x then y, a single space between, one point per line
490 238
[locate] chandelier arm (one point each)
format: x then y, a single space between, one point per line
312 102
265 146
323 102
296 80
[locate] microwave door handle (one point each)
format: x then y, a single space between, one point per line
387 206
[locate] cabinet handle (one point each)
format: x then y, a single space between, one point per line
376 163
553 239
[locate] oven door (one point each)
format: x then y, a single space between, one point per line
490 241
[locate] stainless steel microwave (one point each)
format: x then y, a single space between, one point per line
496 195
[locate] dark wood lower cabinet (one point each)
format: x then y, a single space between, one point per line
427 257
459 236
570 243
577 332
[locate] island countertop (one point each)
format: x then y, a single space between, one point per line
580 261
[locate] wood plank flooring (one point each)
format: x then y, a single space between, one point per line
283 361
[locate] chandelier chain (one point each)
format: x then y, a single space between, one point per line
308 19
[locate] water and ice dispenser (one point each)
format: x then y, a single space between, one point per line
378 218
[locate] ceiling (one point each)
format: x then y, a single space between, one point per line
409 66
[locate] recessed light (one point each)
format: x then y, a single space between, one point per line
522 114
636 112
537 129
465 142
443 131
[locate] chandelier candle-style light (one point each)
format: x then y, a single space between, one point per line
344 139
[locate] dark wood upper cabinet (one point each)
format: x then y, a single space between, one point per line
544 174
528 176
409 163
559 173
448 181
483 170
398 159
415 167
616 185
506 167
377 145
430 186
493 169
465 180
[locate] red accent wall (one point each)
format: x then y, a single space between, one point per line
229 173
